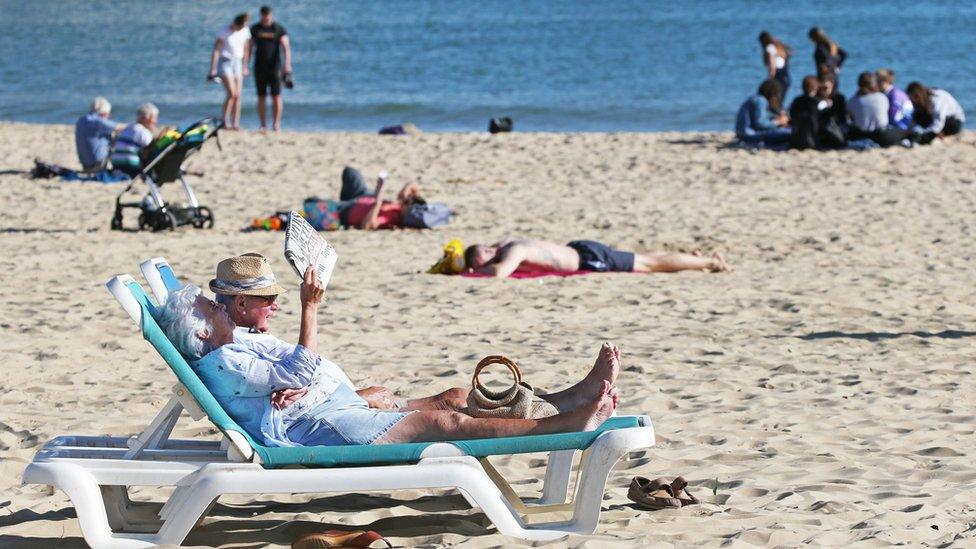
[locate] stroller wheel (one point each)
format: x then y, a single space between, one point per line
204 218
165 220
144 222
116 223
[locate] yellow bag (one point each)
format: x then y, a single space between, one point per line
453 260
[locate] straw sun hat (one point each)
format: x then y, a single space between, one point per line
247 274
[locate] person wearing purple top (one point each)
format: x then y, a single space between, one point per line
900 106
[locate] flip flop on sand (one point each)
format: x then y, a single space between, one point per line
653 494
679 487
339 538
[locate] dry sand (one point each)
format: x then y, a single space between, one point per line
822 393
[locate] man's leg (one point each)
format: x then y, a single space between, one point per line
353 184
430 426
454 399
263 111
606 368
665 262
276 106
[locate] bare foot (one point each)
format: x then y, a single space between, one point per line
606 368
607 365
719 265
599 409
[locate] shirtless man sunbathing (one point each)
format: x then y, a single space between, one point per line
526 255
326 411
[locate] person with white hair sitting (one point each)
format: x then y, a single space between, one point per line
93 135
126 155
295 398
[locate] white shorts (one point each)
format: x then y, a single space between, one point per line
230 68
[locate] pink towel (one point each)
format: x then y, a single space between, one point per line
537 274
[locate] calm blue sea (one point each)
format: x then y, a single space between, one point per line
451 65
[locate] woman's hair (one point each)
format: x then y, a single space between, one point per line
241 19
100 105
771 89
766 39
147 110
866 83
921 98
885 76
818 35
810 85
180 322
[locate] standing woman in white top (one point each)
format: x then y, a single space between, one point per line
776 57
228 60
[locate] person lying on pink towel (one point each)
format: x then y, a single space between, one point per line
513 255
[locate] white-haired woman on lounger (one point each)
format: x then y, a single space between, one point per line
293 400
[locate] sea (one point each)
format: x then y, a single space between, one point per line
550 65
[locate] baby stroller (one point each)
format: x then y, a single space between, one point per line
165 164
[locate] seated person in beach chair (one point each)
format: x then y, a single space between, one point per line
93 136
526 255
296 398
360 209
128 150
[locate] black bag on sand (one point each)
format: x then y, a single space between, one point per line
499 125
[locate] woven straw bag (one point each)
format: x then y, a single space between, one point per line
517 401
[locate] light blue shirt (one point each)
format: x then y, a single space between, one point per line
753 117
242 377
267 343
92 136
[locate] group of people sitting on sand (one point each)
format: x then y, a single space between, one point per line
878 114
105 145
290 395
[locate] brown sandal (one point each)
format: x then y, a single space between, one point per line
679 487
653 494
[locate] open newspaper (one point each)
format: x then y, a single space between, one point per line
304 246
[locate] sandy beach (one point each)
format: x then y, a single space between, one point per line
821 393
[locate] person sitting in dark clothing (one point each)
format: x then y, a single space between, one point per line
805 117
833 117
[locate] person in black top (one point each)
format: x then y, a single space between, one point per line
827 55
805 117
271 48
833 117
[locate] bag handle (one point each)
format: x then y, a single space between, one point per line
495 359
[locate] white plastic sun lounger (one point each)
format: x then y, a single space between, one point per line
95 472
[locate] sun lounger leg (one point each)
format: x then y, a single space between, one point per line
558 473
83 491
125 515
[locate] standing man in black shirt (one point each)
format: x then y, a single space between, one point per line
270 41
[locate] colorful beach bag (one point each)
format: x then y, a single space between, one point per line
322 215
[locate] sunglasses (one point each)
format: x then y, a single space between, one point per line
267 299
